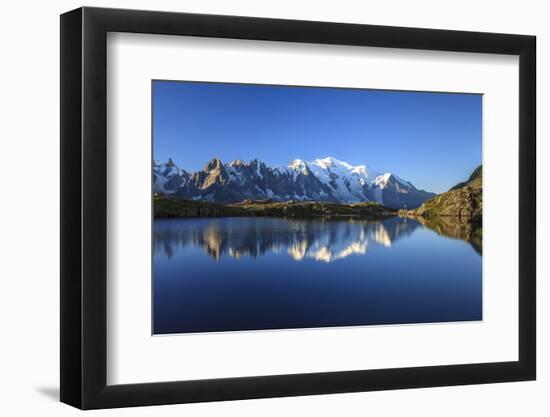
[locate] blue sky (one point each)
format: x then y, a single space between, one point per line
431 139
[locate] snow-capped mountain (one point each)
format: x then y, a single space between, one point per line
326 179
168 177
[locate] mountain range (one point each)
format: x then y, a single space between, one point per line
326 179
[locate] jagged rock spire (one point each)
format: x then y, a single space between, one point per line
214 164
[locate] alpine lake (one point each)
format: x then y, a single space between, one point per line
218 274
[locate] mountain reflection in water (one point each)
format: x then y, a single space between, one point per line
258 273
320 240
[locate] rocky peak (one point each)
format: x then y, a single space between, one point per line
237 163
214 165
296 163
215 174
299 166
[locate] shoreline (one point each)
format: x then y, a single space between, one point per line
165 207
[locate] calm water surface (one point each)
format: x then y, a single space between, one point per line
225 274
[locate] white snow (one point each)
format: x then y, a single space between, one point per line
346 182
258 170
382 180
298 166
164 172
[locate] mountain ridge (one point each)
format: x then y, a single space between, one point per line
474 180
323 179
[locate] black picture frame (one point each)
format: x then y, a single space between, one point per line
84 207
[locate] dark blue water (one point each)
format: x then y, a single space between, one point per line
227 274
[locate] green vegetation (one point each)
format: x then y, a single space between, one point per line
175 207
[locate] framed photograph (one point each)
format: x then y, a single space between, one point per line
258 208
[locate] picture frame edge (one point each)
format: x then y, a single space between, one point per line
83 319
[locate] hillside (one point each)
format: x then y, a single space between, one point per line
464 200
475 180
